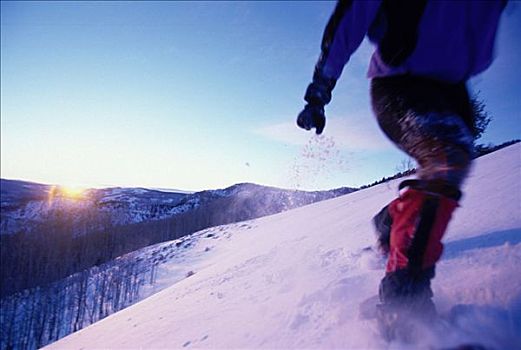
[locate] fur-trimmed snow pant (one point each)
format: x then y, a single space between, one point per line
431 121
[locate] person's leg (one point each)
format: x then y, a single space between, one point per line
419 219
421 117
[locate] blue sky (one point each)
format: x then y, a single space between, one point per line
196 95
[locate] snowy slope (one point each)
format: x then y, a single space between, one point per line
295 279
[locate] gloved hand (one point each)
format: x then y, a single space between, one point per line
312 117
318 94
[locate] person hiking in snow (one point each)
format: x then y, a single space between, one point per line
425 53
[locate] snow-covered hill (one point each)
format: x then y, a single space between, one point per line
296 279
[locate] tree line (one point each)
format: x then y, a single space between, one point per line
38 316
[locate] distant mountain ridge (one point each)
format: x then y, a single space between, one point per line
25 205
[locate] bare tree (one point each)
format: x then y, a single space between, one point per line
406 165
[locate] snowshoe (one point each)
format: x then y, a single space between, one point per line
401 323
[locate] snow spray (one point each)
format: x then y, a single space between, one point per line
319 159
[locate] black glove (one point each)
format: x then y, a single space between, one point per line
312 117
318 94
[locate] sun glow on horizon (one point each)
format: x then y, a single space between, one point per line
71 191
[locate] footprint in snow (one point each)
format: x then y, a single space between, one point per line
298 321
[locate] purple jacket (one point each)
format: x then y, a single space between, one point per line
444 40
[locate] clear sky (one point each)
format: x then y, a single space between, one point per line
198 95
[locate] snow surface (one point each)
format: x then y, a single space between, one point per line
296 279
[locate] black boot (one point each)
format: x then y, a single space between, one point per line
406 302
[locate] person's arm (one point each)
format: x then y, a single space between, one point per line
343 35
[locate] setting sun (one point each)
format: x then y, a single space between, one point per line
73 192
